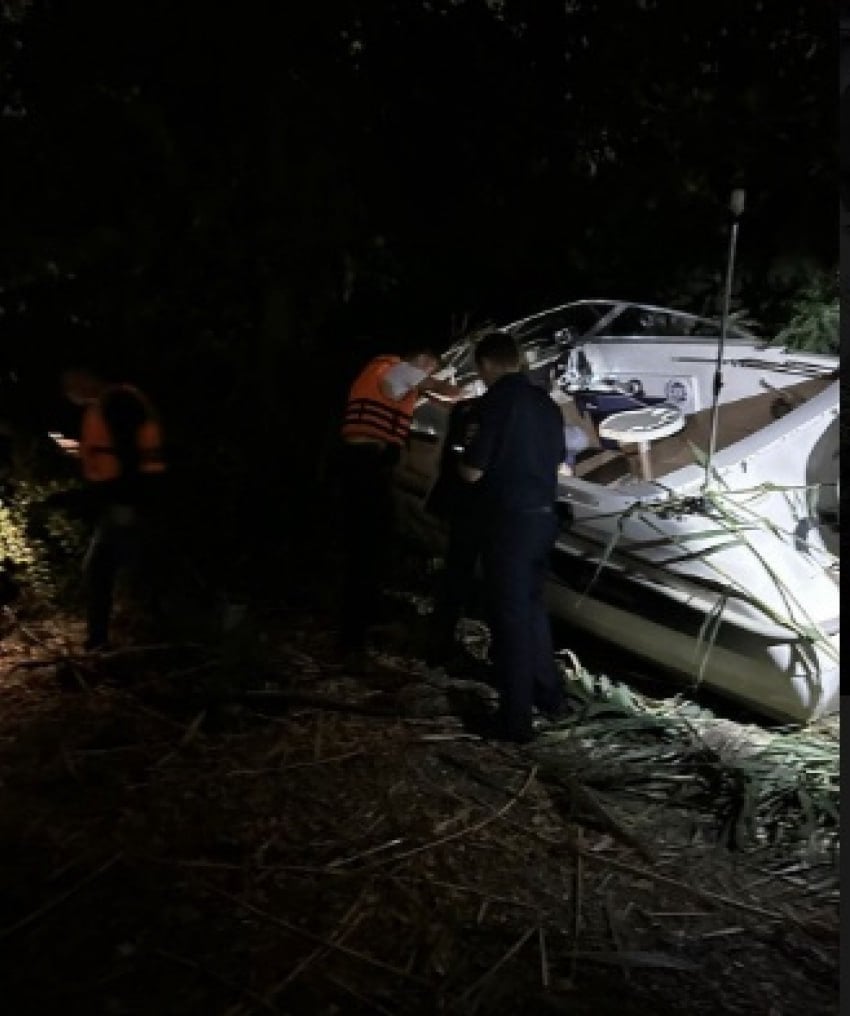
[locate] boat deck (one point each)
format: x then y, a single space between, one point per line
735 422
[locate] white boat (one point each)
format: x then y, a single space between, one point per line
726 574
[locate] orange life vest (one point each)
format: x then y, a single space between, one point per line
372 415
98 454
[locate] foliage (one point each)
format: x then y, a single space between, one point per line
814 319
428 168
41 544
766 787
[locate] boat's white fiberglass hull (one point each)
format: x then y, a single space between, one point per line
681 618
744 599
772 672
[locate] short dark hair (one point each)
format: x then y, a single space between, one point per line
407 350
500 348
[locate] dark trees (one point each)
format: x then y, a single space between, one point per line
215 200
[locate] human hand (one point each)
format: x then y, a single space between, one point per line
439 390
66 444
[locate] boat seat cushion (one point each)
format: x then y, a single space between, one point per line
600 405
735 421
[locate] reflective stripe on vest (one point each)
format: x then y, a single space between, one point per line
98 456
370 413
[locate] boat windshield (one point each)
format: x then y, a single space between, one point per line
606 318
564 323
659 322
543 337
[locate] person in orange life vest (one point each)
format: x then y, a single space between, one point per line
121 456
375 426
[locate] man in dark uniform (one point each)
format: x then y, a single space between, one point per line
514 458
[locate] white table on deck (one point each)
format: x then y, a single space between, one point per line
642 427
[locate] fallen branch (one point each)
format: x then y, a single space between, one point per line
87 658
637 958
594 805
45 661
486 977
346 925
466 831
60 899
310 936
370 1002
358 752
457 887
201 968
293 698
613 926
365 853
577 904
28 632
157 647
544 959
701 894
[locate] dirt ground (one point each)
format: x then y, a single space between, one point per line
251 828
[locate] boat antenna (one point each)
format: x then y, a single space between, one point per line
736 207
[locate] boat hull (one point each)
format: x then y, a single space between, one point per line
769 670
787 680
725 575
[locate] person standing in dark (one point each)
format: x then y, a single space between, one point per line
121 456
375 426
455 502
514 460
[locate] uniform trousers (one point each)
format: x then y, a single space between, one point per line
121 542
515 561
368 530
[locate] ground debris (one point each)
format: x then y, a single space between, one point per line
182 837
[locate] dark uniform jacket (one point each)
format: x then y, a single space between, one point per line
519 446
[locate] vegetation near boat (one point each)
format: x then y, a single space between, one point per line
704 539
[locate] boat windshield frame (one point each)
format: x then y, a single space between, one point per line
553 331
609 312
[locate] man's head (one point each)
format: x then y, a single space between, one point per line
497 354
425 359
81 385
